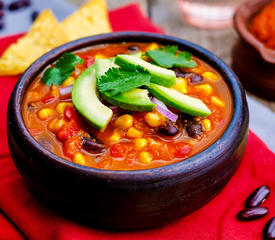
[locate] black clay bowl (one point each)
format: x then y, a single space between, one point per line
128 199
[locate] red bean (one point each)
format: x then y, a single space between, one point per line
252 213
258 196
269 230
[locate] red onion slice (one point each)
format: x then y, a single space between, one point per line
161 108
65 92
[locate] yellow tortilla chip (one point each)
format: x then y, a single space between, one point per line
27 49
90 19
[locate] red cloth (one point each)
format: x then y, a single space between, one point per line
215 221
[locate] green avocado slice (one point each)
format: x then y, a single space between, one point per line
86 101
133 100
175 99
161 76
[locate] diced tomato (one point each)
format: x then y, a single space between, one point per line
72 145
182 150
118 150
88 60
68 130
48 99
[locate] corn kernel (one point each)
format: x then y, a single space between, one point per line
140 143
205 88
181 85
79 158
145 157
69 81
60 108
56 124
45 113
152 46
210 76
134 133
217 102
115 137
207 124
124 122
99 56
153 119
55 91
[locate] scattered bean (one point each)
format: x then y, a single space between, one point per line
195 78
19 4
180 73
133 49
269 230
34 15
258 196
169 129
252 213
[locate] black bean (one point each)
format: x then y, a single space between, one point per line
133 49
169 129
180 73
19 4
34 15
2 14
195 78
93 144
193 128
252 213
269 230
1 4
258 196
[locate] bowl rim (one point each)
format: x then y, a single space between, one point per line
228 141
243 15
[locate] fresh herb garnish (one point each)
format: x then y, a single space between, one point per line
168 57
64 67
123 79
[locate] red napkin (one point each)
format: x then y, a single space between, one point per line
215 221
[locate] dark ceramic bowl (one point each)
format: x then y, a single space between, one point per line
252 61
128 199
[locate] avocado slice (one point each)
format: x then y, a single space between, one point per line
133 100
86 101
161 76
183 103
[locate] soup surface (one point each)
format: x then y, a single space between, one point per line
130 140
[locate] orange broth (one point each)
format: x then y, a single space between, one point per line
123 154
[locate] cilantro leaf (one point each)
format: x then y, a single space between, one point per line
64 67
168 57
123 79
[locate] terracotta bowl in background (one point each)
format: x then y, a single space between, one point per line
252 61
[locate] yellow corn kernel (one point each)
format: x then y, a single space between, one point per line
217 101
140 143
124 122
181 85
207 124
205 88
134 133
99 56
210 76
69 81
60 108
45 113
79 158
153 119
56 124
55 91
145 157
115 137
152 46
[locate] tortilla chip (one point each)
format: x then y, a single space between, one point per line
27 49
90 19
